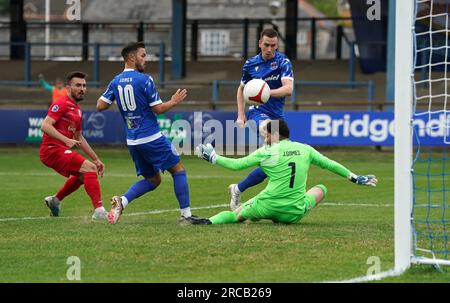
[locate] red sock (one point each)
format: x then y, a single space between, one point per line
92 188
71 185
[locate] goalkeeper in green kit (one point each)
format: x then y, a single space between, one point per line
286 163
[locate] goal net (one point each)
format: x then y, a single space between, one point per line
431 117
429 129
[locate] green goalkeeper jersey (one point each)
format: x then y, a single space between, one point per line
286 164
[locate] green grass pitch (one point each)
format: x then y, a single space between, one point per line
334 242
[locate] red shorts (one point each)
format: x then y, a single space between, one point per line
64 161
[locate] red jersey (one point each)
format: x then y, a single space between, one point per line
68 117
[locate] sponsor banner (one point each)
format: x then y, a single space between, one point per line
364 128
327 128
342 128
24 126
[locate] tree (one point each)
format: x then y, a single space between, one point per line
4 7
328 7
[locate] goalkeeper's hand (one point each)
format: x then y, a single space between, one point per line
206 152
369 180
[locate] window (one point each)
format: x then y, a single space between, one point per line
215 42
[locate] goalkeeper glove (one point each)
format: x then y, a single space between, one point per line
206 152
369 180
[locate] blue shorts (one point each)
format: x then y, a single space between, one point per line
153 157
259 117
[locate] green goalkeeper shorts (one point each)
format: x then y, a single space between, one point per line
254 210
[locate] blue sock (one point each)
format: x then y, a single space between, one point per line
255 177
138 189
181 188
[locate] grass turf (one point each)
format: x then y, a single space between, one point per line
332 243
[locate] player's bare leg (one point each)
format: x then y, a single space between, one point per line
319 192
238 214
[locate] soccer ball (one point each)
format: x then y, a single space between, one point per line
256 92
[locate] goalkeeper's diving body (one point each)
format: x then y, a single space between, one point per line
286 163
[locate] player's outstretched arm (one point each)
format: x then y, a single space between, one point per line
208 153
369 180
339 169
241 119
177 98
45 85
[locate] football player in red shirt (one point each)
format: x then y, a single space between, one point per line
62 131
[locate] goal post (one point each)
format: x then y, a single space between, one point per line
404 21
422 133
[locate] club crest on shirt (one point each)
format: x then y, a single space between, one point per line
273 65
55 108
72 128
256 68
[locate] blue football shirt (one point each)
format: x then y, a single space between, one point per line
135 94
272 71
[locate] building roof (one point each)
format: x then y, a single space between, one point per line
155 10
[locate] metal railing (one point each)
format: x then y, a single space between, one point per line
248 29
352 55
295 104
258 24
27 81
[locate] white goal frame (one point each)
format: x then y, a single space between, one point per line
403 188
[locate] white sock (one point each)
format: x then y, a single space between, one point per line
100 209
124 201
186 212
236 189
